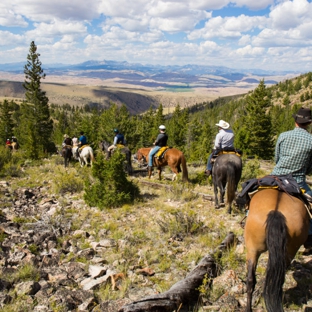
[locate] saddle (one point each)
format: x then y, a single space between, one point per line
226 150
284 183
161 152
82 147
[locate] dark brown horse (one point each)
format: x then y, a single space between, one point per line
67 153
124 150
226 173
279 223
172 158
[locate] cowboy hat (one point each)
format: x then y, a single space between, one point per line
162 127
303 115
66 136
223 124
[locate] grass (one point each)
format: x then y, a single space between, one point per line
168 231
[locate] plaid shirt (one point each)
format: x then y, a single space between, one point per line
293 154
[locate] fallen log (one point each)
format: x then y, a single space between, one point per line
184 294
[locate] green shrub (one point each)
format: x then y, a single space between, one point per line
251 169
111 187
67 181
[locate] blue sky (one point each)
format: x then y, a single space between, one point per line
242 34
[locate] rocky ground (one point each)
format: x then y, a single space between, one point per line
58 254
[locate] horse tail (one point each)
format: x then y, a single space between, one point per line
276 240
184 167
231 182
92 155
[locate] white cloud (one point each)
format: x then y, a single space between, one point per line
291 14
159 31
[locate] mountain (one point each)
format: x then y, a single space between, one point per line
158 76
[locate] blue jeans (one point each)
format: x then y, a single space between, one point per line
152 152
209 165
307 189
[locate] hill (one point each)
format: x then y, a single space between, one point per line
137 86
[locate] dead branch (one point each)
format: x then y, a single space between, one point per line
184 293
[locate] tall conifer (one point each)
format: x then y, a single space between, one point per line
36 122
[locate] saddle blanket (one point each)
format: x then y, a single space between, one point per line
120 145
284 183
83 146
161 151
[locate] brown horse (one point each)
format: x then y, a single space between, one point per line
172 158
279 223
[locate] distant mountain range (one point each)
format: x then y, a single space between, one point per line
158 76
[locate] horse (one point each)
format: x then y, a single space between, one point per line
86 155
103 145
172 158
14 146
226 173
67 154
279 223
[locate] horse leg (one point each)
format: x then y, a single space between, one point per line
251 279
159 173
215 188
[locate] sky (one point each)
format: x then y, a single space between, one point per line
240 34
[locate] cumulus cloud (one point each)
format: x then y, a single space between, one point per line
159 31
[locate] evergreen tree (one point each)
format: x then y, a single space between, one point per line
36 124
6 121
110 187
256 133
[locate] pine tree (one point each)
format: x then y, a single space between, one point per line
36 123
259 136
6 121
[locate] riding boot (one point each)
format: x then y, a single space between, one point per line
207 173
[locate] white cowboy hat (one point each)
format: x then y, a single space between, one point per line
223 124
162 127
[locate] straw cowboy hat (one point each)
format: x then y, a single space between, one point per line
223 124
66 136
303 115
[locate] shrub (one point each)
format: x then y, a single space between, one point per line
68 181
111 187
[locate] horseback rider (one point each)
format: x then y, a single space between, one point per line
8 143
118 139
14 140
82 140
224 138
293 155
161 141
67 141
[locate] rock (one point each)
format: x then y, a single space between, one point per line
27 288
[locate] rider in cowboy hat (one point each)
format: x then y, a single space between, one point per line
224 138
293 154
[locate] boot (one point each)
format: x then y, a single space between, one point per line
150 170
208 173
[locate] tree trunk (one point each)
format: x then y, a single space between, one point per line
185 293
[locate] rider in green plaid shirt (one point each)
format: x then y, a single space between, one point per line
293 154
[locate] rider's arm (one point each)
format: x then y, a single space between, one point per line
218 140
115 140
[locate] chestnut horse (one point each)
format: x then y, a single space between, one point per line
226 173
172 158
279 223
